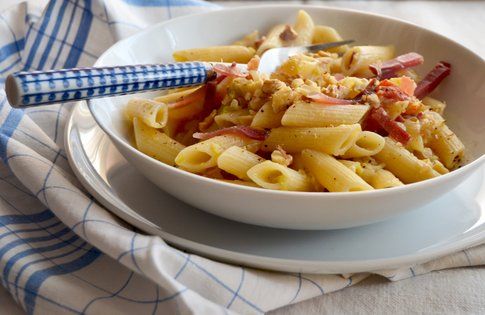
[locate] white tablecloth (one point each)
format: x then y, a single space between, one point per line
450 291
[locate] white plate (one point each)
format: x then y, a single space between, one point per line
449 224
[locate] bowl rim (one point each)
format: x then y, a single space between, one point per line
335 195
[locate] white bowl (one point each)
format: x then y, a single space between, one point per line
464 92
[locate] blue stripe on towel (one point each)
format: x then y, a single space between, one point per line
11 49
37 278
38 38
53 35
81 36
29 218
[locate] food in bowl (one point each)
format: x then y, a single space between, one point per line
347 119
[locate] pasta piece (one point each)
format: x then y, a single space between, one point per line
203 155
439 167
267 118
297 163
374 175
171 127
402 163
356 60
155 143
331 140
233 53
434 105
175 96
446 145
272 175
384 179
231 118
332 174
249 40
413 128
189 106
367 144
326 34
304 28
272 40
303 114
354 166
237 161
152 113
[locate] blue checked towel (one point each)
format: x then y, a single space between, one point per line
60 251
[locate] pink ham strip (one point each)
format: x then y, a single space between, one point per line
388 68
432 79
395 131
238 130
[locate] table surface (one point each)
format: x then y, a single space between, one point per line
455 291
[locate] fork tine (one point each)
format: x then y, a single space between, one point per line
318 47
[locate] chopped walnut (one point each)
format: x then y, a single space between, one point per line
282 99
272 85
253 63
288 34
281 157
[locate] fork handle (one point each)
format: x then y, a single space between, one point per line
26 89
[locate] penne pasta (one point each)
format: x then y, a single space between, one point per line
175 96
434 105
303 114
304 29
331 140
233 53
383 179
248 40
152 113
203 155
267 118
326 34
446 145
272 40
402 163
332 174
155 143
367 144
275 176
240 117
237 161
356 60
374 175
439 167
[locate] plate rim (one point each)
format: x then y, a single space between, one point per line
224 255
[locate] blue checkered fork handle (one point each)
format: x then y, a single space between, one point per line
56 86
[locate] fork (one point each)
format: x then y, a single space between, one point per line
25 89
